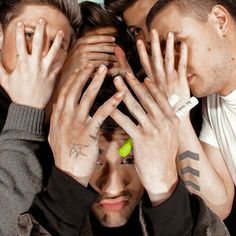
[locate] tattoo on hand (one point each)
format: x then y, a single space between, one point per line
77 150
188 154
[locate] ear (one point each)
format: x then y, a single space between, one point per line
222 19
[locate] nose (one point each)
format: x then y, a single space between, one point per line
114 183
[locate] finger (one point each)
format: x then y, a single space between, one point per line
105 48
74 92
115 71
101 57
144 97
144 59
21 49
157 59
121 58
182 67
91 92
38 40
60 104
161 100
133 106
170 57
95 39
104 111
125 123
56 67
55 48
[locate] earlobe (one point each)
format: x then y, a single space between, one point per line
222 19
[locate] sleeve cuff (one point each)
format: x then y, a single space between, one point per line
24 118
174 212
68 199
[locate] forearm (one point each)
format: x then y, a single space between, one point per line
64 207
199 175
20 169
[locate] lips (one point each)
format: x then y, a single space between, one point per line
114 204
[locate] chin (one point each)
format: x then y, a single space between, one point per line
113 221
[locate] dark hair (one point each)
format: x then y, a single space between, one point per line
198 9
12 8
107 91
118 7
93 16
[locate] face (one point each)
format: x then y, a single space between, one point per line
116 181
30 17
135 18
209 60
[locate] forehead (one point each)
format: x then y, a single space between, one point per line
136 14
171 20
55 19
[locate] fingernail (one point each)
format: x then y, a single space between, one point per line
139 42
19 24
113 39
41 21
101 69
170 34
147 80
118 78
61 34
119 95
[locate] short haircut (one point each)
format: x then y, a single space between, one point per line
10 9
199 9
118 7
94 16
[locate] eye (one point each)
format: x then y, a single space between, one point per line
135 31
29 35
178 44
128 160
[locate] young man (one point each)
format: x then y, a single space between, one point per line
208 29
33 50
92 190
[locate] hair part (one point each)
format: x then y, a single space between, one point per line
198 9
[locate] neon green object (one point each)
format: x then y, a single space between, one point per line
126 148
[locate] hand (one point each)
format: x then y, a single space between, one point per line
73 134
162 70
122 65
32 81
96 47
155 138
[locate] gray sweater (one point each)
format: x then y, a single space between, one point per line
20 169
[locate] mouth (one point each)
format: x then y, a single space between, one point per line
114 204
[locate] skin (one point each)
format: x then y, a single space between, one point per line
116 181
33 51
135 18
216 46
29 17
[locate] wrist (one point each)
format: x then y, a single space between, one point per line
163 190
